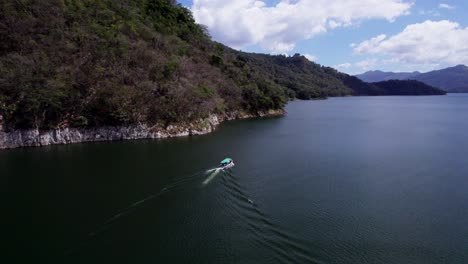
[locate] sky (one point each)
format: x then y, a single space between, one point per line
352 36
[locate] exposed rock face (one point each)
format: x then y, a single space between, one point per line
242 115
36 138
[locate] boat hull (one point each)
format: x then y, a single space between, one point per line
227 166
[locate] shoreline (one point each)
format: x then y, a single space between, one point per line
64 136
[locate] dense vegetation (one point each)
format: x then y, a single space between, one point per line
452 79
379 76
302 78
408 87
98 62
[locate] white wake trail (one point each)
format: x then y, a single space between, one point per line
212 176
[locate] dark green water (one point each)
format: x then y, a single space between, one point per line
345 180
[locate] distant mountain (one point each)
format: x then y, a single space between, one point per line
407 87
453 79
390 87
88 64
378 76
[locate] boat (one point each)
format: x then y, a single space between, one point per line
226 163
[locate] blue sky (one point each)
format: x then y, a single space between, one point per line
351 35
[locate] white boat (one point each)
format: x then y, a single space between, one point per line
226 164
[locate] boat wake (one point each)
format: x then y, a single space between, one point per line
179 183
225 164
174 185
211 170
213 173
285 247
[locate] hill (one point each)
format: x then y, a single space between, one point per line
390 87
453 79
408 87
94 63
378 76
302 78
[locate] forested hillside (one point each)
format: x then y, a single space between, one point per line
302 78
379 76
98 62
452 79
88 63
408 87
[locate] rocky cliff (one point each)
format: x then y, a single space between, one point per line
36 138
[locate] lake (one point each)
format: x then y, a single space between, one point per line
344 180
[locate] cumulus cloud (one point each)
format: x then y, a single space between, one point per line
434 13
343 66
278 28
446 6
440 43
367 64
359 66
310 57
368 45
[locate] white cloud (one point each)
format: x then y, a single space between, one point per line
367 64
343 66
360 66
446 6
369 44
436 43
310 57
433 13
278 28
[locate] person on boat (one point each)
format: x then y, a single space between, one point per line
225 162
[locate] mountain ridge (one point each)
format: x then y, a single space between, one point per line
377 75
451 79
96 63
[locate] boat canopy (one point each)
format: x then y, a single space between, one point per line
226 160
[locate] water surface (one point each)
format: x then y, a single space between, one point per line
344 180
